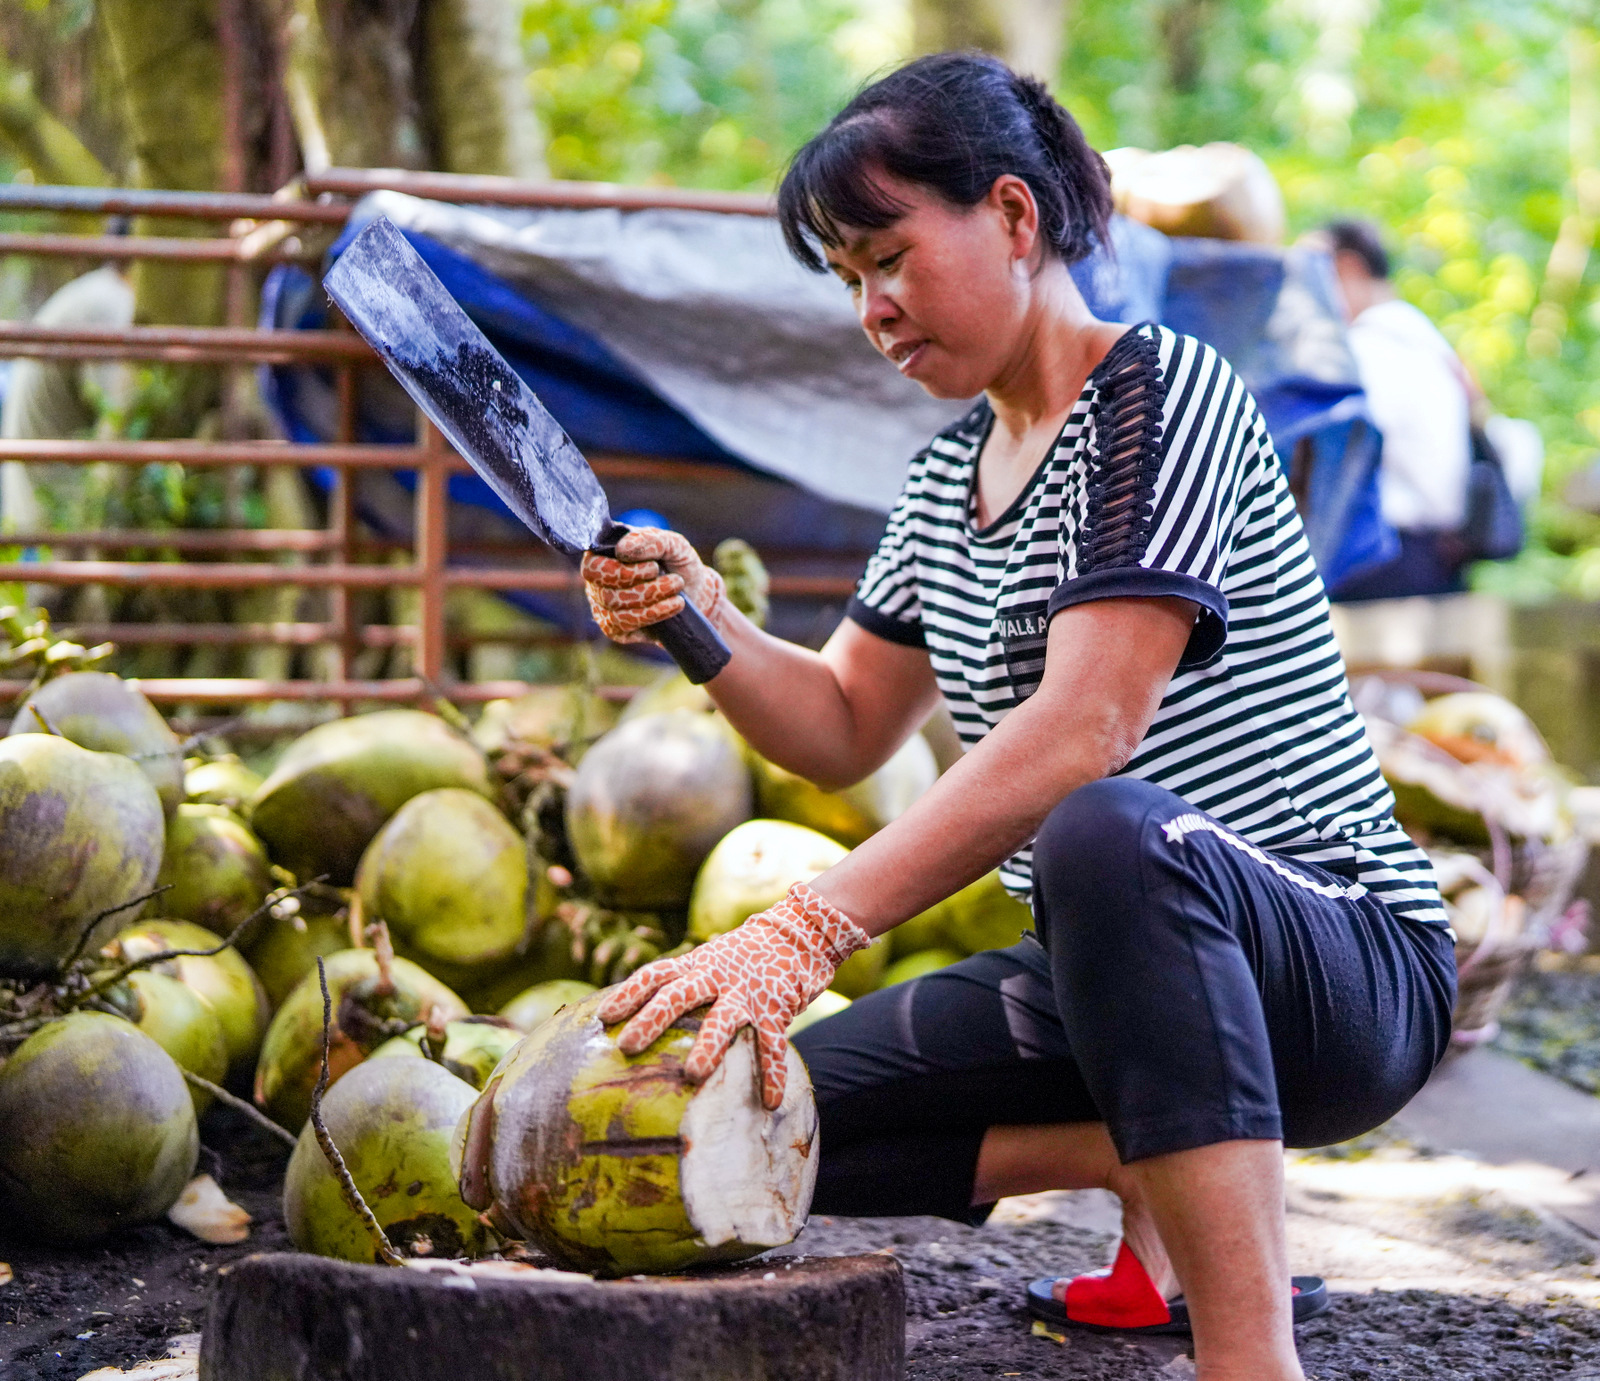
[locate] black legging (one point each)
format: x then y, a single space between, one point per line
1185 988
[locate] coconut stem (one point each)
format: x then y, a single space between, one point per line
162 955
341 1172
383 952
49 728
433 1034
240 1105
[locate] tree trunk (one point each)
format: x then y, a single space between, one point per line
1029 34
169 67
475 87
351 60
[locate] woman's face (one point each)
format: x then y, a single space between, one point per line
944 292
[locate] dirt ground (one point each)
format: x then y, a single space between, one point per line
1439 1270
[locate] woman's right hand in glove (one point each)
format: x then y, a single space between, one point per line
653 573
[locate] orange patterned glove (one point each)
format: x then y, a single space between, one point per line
647 581
761 975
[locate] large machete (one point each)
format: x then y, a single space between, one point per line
490 415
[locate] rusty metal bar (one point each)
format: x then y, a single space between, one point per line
135 247
198 206
264 539
507 191
432 525
341 517
203 575
291 634
180 344
185 689
305 457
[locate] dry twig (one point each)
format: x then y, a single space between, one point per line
347 1185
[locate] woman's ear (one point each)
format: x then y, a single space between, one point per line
1013 199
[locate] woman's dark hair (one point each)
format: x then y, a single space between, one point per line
953 123
1360 238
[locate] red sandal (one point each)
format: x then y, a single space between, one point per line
1121 1298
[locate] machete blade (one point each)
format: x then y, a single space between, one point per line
466 388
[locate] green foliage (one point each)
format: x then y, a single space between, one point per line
710 93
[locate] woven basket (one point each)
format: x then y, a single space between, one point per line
1539 879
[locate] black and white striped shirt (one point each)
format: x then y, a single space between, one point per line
1162 482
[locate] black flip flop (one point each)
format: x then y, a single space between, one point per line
1310 1299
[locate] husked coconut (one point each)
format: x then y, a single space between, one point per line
617 1164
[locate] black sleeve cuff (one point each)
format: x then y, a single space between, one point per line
1135 582
883 626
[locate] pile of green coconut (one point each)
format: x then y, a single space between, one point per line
468 890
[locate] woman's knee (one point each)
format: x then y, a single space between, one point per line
1093 839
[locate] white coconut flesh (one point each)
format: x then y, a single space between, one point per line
747 1174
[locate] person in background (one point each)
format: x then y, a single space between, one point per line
60 399
1420 396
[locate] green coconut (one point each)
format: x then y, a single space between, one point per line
753 867
283 946
823 1005
650 800
671 691
102 712
983 915
857 812
222 782
366 1013
449 876
216 867
473 1046
392 1121
617 1164
536 1005
334 787
923 931
80 832
181 1022
97 1130
545 956
223 979
863 971
919 965
562 718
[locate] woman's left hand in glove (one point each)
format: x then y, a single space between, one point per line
761 975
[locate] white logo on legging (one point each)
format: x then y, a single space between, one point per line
1184 825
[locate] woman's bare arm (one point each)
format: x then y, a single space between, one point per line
1107 665
832 716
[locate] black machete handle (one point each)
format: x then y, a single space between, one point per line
689 639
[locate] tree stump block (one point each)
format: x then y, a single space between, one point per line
290 1317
